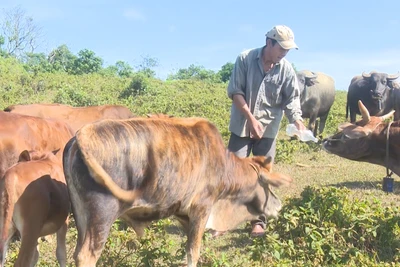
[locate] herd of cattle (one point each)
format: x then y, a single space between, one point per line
104 163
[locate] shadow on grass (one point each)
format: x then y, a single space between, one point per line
375 185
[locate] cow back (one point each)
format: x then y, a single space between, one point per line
20 132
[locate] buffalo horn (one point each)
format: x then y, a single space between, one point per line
364 112
366 75
393 76
387 116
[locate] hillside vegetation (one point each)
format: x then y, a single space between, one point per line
335 213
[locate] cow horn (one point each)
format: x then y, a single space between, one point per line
366 75
393 76
364 112
387 116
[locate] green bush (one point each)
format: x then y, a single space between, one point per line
325 227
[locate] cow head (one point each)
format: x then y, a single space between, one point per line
263 166
379 82
353 140
306 79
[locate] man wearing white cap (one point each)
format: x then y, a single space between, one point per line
263 86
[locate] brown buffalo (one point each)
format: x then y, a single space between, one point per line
76 117
145 169
35 203
20 132
366 140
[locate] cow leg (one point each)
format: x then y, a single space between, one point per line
28 253
93 217
197 222
5 242
91 243
311 123
322 122
61 251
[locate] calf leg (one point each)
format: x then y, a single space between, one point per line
28 253
197 223
61 251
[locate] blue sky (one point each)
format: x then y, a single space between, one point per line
340 38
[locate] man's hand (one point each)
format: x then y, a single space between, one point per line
299 125
256 129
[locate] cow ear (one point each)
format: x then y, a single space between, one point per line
24 156
275 179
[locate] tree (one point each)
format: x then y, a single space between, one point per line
87 62
36 62
61 59
147 65
20 33
226 71
123 69
194 72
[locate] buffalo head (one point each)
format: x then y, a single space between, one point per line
306 79
379 82
353 141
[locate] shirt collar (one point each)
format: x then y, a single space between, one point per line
259 55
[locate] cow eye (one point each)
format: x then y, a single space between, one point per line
384 82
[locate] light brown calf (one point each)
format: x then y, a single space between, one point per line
34 203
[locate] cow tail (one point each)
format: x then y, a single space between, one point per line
7 204
347 109
102 177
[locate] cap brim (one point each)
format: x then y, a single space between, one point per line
288 45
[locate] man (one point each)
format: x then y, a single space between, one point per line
262 86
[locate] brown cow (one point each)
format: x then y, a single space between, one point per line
162 167
35 203
76 117
366 140
20 132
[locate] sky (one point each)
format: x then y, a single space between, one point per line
339 38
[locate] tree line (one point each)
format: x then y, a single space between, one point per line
20 39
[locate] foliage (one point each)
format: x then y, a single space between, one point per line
326 227
226 71
62 59
196 73
87 62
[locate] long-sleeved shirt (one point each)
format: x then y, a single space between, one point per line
268 94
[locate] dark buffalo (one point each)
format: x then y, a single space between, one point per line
317 94
374 90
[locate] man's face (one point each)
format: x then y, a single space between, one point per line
276 52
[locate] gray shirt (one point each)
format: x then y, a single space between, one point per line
267 94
